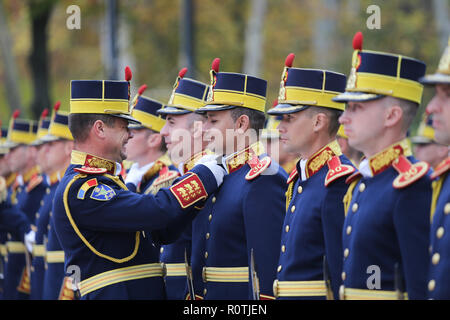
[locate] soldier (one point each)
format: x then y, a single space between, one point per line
97 220
182 133
439 107
58 147
27 193
246 214
425 146
385 235
315 213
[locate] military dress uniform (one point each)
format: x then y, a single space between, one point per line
246 214
385 235
187 96
439 265
99 222
313 224
28 191
55 284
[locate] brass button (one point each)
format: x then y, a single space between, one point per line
279 268
50 214
447 208
342 292
362 187
210 217
354 207
37 215
292 209
161 250
430 249
349 230
343 276
275 288
300 189
283 248
213 199
47 190
440 232
287 228
435 259
206 254
204 291
431 285
207 235
48 227
346 252
42 203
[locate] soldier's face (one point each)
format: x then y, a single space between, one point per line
220 131
17 158
178 133
439 106
41 159
432 153
137 147
57 154
117 138
296 132
363 124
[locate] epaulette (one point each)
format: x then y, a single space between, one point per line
90 170
441 168
337 170
408 172
292 176
257 166
34 182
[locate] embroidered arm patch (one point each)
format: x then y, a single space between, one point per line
103 192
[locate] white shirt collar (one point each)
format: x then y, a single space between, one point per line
303 169
364 169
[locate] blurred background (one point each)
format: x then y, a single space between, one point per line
46 43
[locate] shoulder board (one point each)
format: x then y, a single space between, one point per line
441 168
90 170
408 172
356 175
166 176
34 182
337 170
257 166
292 176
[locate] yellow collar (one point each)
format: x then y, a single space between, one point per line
383 159
30 174
237 160
321 157
10 179
92 161
56 176
189 164
163 161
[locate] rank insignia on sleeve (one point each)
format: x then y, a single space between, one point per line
103 192
408 172
85 187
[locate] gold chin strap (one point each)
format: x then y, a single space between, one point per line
77 231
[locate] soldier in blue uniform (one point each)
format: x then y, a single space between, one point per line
58 146
247 212
385 235
97 219
183 136
439 108
27 193
313 224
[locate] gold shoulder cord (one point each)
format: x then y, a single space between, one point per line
77 231
437 186
348 195
289 193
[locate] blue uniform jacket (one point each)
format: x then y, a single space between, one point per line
387 223
100 231
313 225
247 212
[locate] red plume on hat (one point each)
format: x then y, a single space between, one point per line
44 113
182 72
140 92
16 114
128 76
215 65
289 60
358 41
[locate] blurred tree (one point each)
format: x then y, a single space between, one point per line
254 40
187 56
40 12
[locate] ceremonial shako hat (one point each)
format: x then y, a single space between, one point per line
145 110
229 90
442 75
302 88
341 132
3 148
425 132
102 97
59 125
21 131
187 95
378 74
43 125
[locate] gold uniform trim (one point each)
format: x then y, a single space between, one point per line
241 99
21 137
99 106
15 247
225 274
149 121
299 288
78 232
39 250
120 275
54 256
365 294
303 96
60 131
3 250
186 102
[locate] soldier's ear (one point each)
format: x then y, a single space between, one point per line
393 115
242 123
154 140
98 129
320 121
